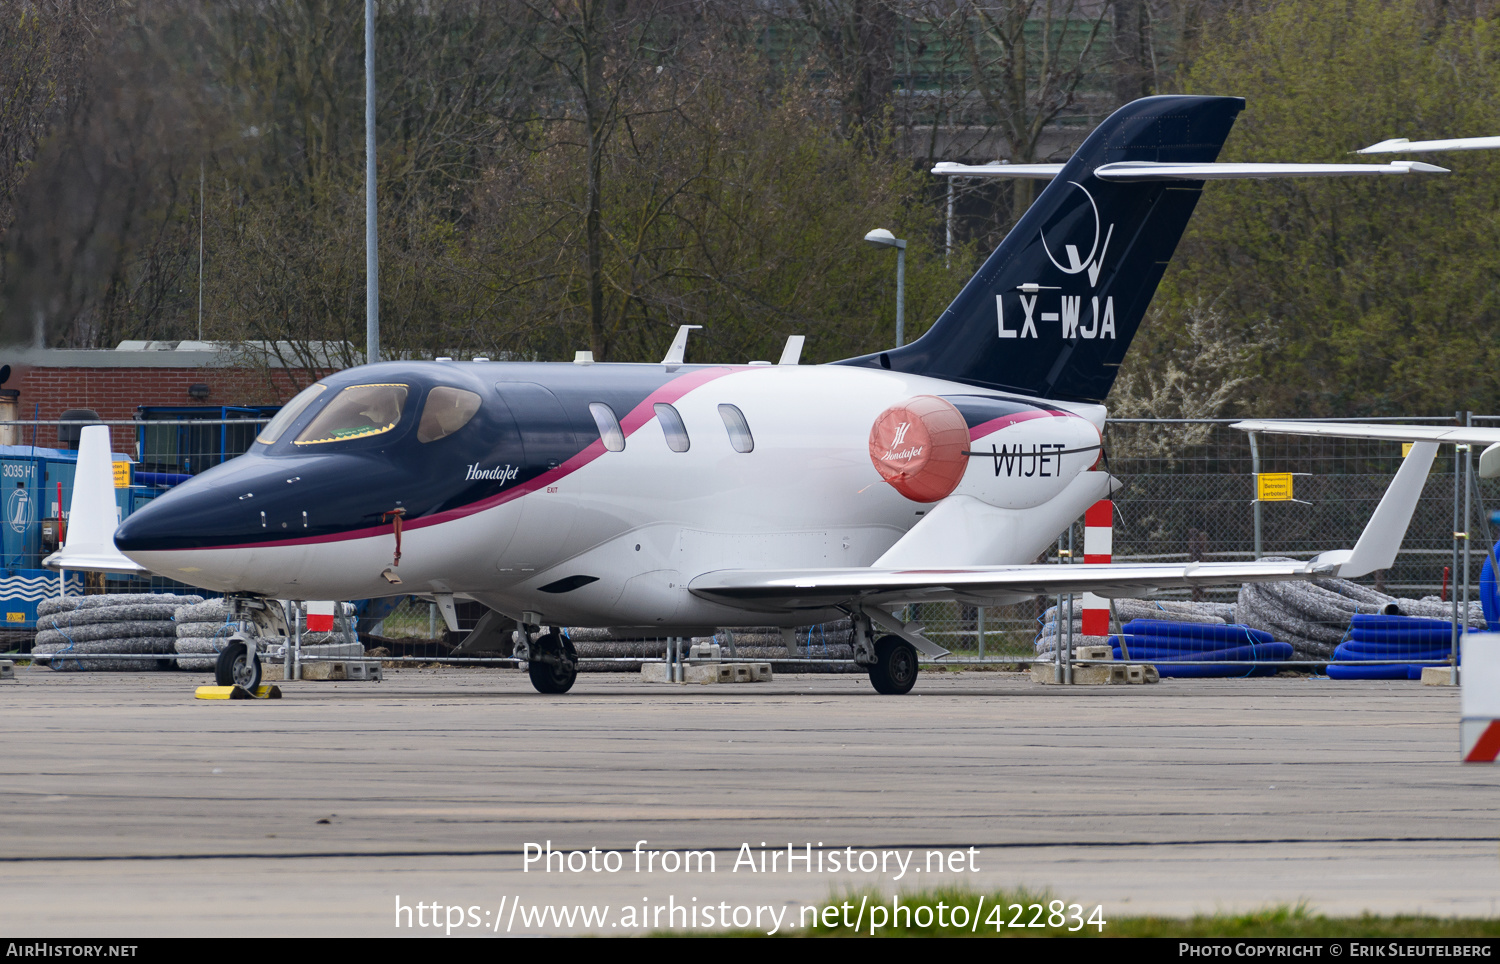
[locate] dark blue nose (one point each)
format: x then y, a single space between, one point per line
255 500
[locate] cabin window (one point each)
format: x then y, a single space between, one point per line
739 429
446 411
289 413
672 427
357 412
609 426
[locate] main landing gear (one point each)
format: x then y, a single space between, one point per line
890 660
551 660
895 669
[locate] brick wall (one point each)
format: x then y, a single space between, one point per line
116 392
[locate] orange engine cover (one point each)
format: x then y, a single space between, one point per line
918 446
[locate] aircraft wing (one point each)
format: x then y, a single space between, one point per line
1489 460
792 590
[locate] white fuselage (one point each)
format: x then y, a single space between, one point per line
642 522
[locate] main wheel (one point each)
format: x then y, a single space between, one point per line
557 667
895 669
552 676
235 668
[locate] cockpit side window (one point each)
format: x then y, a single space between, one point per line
289 413
609 426
358 411
445 411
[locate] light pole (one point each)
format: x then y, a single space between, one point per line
880 237
372 257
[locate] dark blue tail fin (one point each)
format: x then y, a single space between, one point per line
1053 310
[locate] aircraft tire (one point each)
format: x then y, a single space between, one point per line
232 669
552 677
895 669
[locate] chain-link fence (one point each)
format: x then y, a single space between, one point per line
1190 494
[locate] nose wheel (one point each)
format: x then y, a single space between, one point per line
553 663
237 666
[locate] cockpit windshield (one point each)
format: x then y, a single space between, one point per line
358 411
289 413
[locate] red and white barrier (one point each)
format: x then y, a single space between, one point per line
320 616
1098 546
1479 726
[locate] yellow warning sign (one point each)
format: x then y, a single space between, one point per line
1273 487
1405 449
15 617
122 474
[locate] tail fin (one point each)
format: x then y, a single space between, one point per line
1053 310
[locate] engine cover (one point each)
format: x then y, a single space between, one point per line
918 447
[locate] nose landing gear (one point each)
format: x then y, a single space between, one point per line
238 665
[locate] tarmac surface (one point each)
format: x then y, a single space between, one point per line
133 809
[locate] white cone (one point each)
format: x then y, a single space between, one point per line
92 516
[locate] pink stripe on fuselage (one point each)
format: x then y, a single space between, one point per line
1005 421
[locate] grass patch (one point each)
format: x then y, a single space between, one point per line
955 912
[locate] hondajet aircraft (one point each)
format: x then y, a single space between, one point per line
674 498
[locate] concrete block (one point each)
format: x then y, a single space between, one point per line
1098 674
322 670
701 672
709 672
364 669
655 673
1437 675
1093 652
343 669
7 669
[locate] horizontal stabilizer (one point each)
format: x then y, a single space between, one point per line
1041 172
1212 171
1157 171
1400 145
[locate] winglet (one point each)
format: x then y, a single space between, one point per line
1378 544
92 515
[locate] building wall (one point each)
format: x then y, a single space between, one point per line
116 392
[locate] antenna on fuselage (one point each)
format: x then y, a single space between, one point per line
792 353
679 346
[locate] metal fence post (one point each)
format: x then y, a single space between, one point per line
1458 467
1255 490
